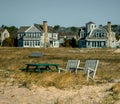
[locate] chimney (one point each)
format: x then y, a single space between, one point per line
109 27
45 29
109 32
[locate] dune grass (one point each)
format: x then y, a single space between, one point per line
12 59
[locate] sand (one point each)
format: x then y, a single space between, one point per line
39 95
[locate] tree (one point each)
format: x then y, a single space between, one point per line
56 27
12 41
67 43
74 29
12 30
74 42
8 42
117 37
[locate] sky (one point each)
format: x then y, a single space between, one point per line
59 12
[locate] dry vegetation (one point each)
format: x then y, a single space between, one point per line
12 59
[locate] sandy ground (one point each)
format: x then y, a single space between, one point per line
51 95
117 51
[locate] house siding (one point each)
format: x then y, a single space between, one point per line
33 36
95 37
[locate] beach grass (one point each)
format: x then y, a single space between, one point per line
12 59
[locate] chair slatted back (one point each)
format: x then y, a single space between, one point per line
72 65
90 64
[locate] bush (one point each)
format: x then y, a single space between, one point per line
9 42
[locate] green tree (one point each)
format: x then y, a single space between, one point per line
74 42
74 29
56 27
67 43
13 35
117 37
12 30
8 42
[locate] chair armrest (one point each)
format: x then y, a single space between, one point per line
90 69
62 69
80 68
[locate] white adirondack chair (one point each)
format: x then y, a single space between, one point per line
72 66
90 68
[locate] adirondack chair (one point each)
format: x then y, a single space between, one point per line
90 68
72 66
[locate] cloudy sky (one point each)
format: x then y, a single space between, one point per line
59 12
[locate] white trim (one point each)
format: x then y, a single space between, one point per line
96 29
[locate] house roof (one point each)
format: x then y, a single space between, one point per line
23 28
82 29
38 26
90 22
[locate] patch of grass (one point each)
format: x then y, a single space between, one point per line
113 96
116 88
12 59
108 100
116 91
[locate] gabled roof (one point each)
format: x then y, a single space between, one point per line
82 29
23 28
38 26
90 22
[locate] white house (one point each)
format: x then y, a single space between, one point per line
3 35
37 36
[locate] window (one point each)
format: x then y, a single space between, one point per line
94 34
99 34
27 43
88 43
28 35
24 43
95 44
100 44
38 43
54 35
102 34
104 43
30 43
38 35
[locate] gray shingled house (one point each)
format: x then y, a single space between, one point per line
37 35
93 36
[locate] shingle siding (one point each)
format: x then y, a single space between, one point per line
95 37
33 36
